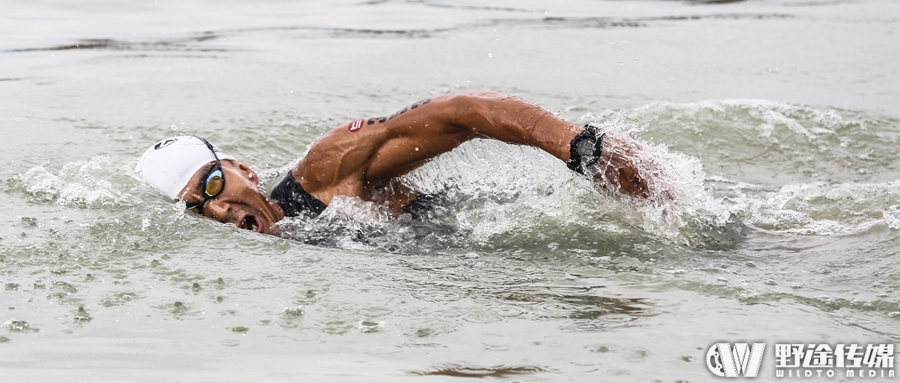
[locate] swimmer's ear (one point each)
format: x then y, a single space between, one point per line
247 172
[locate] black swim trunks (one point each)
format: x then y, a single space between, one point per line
294 200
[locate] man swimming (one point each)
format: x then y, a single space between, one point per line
366 158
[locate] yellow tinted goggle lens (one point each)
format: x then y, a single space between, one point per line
214 184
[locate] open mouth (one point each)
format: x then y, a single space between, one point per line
250 223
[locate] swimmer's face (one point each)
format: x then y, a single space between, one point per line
240 202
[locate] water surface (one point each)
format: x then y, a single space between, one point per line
779 119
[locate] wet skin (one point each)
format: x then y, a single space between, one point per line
240 202
366 158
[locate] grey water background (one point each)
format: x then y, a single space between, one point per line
779 119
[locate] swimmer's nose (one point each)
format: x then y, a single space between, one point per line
218 210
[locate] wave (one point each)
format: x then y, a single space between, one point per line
495 196
774 143
97 182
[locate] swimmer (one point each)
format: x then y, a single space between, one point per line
366 158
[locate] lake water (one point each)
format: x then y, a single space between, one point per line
779 121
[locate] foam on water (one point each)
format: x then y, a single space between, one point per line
768 142
95 183
494 194
892 217
823 209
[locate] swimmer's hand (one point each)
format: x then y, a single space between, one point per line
627 168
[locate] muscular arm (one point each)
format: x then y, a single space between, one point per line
357 158
364 158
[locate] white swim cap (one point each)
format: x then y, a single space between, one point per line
169 164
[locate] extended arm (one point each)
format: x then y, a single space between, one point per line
366 156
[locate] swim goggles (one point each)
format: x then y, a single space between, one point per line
213 182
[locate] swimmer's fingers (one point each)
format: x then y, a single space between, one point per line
626 168
623 177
